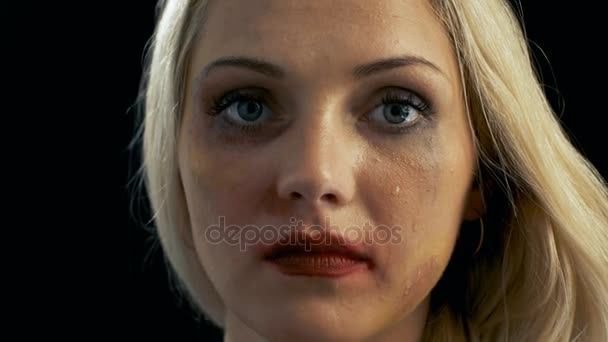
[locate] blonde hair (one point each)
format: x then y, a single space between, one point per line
542 272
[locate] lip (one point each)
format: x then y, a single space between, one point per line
318 254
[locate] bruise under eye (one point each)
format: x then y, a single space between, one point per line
242 115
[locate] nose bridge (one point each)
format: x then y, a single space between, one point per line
318 164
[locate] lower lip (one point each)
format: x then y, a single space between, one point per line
318 265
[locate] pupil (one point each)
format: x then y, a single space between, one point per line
396 114
249 110
396 111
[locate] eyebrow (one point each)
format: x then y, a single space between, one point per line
272 70
253 64
386 64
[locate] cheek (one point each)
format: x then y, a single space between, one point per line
421 189
399 186
420 184
223 188
219 181
423 278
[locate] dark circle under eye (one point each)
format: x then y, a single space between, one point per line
249 110
396 113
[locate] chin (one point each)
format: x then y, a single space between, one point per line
296 332
311 322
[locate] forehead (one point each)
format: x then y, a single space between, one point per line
323 35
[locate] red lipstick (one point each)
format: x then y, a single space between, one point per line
318 254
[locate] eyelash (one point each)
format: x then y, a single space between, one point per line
220 104
410 99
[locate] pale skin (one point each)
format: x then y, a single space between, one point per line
324 148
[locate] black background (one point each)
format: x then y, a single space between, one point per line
106 44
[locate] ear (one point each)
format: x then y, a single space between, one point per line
475 207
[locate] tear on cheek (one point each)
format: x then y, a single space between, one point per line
423 279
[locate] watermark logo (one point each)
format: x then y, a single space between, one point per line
249 235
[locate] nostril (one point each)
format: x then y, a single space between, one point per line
295 195
330 198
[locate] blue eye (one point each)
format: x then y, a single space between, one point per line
241 109
247 110
398 111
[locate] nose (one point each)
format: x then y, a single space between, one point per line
318 165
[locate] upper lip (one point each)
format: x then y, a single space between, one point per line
328 242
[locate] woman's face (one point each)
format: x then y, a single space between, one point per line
350 118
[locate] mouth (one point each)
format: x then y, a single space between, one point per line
324 255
